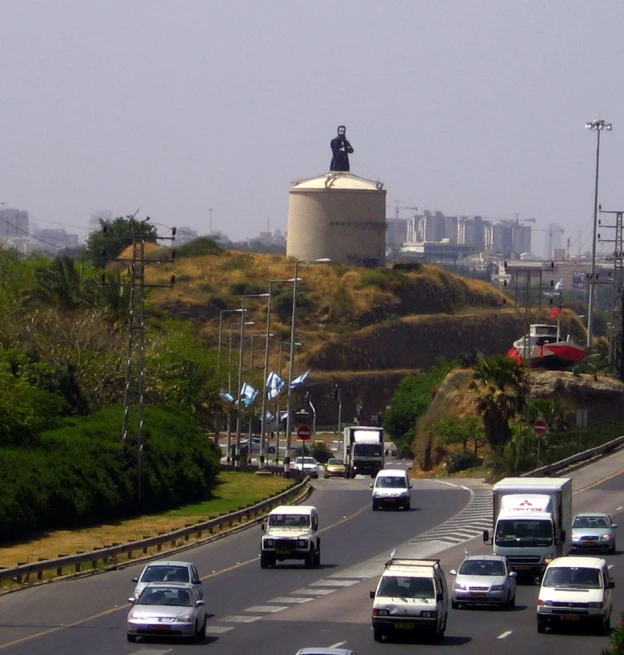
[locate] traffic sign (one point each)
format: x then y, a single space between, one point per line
540 426
304 432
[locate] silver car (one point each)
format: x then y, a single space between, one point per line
593 531
484 580
308 465
167 610
168 571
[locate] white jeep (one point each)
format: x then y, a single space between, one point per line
291 532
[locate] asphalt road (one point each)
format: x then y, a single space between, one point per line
278 611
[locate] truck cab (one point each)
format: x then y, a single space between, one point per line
364 450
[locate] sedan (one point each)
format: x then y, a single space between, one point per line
168 571
484 580
306 464
167 610
335 468
593 531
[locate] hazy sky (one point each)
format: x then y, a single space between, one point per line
176 107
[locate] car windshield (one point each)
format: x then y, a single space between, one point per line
399 587
335 462
523 533
591 522
165 596
572 577
161 573
394 482
482 567
367 450
289 520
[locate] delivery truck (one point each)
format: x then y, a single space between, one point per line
364 450
532 522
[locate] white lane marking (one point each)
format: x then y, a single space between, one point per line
334 583
450 484
151 651
218 629
337 644
259 609
617 509
237 618
611 566
289 599
312 592
505 634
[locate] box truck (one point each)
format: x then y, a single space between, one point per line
364 450
532 522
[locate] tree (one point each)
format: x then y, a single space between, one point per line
460 430
502 387
552 411
115 236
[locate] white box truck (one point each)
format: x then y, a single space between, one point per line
532 522
364 450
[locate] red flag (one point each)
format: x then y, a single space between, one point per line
555 312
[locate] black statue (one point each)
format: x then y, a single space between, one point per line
341 149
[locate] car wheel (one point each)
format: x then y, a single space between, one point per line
265 560
612 550
132 638
541 627
375 506
508 603
202 632
317 557
454 605
377 635
406 507
606 626
309 560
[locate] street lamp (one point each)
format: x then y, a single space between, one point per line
266 371
240 375
596 126
291 363
223 311
298 344
569 317
253 336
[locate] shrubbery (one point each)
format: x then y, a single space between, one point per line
78 474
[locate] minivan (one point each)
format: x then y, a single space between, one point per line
391 488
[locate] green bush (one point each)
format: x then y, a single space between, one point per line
321 452
201 246
461 460
383 278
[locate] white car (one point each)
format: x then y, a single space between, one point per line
484 580
306 464
168 571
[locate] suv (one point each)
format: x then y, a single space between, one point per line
575 590
411 597
391 489
291 532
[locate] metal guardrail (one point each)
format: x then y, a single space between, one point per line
549 469
176 538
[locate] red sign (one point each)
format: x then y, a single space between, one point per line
304 432
540 426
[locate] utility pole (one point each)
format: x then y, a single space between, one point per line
134 401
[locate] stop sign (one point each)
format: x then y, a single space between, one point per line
540 426
304 432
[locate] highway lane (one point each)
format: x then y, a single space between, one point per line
88 615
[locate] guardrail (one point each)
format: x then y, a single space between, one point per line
549 469
177 538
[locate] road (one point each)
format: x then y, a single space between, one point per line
277 611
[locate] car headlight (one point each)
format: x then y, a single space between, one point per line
595 605
607 536
431 614
497 587
131 616
269 543
186 618
575 536
302 543
377 612
460 586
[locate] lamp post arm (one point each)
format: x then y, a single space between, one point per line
291 365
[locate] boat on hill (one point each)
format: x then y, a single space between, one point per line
543 347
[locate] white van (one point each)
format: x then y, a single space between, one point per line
575 590
391 489
411 597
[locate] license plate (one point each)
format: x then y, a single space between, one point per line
160 628
480 594
391 500
522 567
404 626
283 551
571 617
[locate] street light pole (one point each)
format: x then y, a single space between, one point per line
596 126
240 375
291 363
223 311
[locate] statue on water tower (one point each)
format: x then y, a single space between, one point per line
341 149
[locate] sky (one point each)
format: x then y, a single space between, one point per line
176 108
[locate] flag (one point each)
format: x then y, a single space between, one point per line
248 394
297 381
559 285
274 383
555 312
224 395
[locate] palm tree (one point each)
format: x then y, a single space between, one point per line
502 386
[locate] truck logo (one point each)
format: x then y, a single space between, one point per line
526 503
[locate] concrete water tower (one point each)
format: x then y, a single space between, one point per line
338 214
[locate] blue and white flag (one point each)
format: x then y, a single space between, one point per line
274 384
224 395
300 380
248 394
559 285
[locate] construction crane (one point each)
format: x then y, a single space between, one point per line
398 207
552 229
